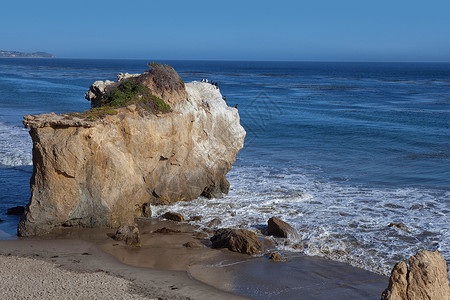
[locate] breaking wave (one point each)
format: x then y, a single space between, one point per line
15 146
337 221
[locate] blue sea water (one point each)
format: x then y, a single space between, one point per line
339 150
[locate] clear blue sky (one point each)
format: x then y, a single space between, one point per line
314 30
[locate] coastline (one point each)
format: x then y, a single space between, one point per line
164 268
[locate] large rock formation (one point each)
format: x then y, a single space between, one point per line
107 171
425 279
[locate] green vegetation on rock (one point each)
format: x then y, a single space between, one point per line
126 93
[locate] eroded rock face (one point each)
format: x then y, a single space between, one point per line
426 278
237 240
106 172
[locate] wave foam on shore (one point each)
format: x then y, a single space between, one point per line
342 222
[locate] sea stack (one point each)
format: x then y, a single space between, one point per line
149 139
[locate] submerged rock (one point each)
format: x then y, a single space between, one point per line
165 230
129 234
237 240
196 218
277 227
105 170
398 225
426 278
214 223
173 216
193 244
200 235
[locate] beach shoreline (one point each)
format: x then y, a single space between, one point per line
164 268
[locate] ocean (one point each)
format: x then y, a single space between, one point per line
338 150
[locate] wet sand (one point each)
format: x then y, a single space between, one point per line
164 268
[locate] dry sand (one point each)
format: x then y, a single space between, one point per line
26 278
164 268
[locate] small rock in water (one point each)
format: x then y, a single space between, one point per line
193 244
16 210
209 230
277 227
398 225
129 234
173 216
427 278
299 246
165 230
1 220
275 257
196 218
214 223
237 240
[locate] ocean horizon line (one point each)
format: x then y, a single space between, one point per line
232 60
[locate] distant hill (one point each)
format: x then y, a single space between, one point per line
38 54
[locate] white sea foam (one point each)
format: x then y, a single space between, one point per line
342 222
15 146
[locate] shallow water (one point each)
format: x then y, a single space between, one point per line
339 150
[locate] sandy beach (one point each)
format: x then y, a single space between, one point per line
87 263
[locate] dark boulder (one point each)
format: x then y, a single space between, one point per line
173 216
237 240
277 227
